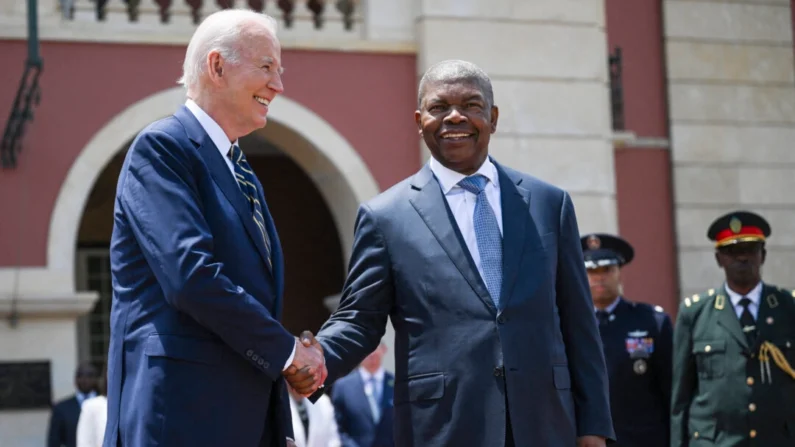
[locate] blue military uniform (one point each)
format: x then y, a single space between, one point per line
637 339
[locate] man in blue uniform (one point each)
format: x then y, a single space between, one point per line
637 340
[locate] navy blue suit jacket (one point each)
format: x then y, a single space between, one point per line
458 358
354 417
196 349
62 431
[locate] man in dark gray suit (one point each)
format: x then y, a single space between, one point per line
480 269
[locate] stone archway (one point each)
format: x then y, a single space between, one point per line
333 164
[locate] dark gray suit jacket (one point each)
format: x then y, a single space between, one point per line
457 357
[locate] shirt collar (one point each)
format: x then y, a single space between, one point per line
211 127
82 397
609 309
449 179
755 295
378 375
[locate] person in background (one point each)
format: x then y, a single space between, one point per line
63 419
637 339
313 424
363 403
734 349
93 417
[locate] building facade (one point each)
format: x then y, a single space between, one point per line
656 115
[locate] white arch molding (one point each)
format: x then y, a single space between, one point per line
334 165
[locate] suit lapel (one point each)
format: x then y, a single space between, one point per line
727 318
514 201
221 175
429 202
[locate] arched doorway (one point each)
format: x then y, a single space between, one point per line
296 141
307 232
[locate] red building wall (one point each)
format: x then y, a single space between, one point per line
368 98
643 175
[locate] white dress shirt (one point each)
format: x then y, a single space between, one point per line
755 295
91 423
462 202
323 431
378 380
223 144
214 131
609 309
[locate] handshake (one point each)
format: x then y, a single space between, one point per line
307 372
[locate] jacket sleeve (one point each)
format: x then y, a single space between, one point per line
684 379
357 326
160 200
580 333
54 434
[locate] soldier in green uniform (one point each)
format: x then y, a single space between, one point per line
733 346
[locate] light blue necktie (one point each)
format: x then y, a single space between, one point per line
487 233
373 399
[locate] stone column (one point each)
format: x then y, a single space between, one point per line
732 109
548 63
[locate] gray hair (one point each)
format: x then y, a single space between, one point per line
456 70
220 32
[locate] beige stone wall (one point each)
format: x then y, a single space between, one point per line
732 105
50 339
548 63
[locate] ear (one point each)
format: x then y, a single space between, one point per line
215 67
418 120
495 114
764 255
717 259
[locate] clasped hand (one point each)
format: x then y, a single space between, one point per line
308 371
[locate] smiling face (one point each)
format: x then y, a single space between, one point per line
246 87
456 121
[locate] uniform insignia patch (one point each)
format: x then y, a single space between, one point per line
735 225
639 347
594 243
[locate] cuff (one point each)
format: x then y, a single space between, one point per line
290 359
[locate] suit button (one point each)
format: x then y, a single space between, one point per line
266 365
261 361
752 407
752 434
749 381
254 357
249 353
695 435
501 319
498 371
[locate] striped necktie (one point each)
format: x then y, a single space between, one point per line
245 179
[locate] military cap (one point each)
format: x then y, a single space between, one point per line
737 227
600 250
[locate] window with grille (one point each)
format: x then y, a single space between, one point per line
93 329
